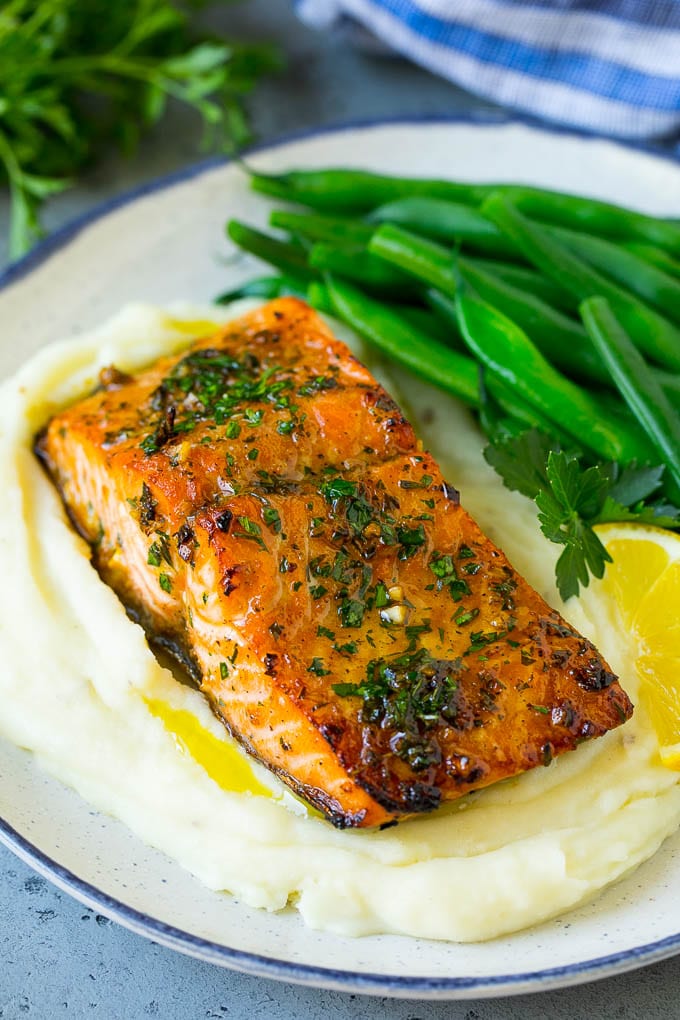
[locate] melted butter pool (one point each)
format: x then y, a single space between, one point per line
221 759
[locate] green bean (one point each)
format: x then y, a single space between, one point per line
627 269
637 385
529 281
282 254
670 384
432 263
446 221
449 221
266 287
494 423
456 374
423 259
568 347
506 351
520 413
360 265
560 338
657 257
653 333
319 298
322 228
342 190
360 190
593 216
420 319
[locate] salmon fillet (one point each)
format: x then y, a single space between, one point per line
266 512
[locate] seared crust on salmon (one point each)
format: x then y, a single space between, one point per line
262 506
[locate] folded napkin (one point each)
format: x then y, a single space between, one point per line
610 66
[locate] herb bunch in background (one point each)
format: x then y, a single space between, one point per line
76 75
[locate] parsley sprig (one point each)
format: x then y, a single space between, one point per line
76 75
573 496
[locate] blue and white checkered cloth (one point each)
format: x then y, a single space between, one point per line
610 66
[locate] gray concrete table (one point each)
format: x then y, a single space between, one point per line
59 959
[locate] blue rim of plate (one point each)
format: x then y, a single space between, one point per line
253 963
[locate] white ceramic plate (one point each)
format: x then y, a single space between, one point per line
167 242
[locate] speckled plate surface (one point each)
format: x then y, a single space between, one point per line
165 242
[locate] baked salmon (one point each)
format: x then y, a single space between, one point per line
263 508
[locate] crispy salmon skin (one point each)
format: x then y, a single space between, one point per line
262 506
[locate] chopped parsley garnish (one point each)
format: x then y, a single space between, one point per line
316 384
349 648
251 530
337 488
160 550
211 385
505 589
410 692
316 526
272 519
444 569
341 571
154 557
480 640
465 616
224 670
351 612
317 667
165 582
410 540
424 483
147 506
319 567
253 418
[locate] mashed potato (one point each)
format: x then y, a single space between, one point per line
80 688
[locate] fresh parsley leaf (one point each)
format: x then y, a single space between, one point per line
348 690
661 515
572 497
581 491
632 483
521 461
583 552
337 488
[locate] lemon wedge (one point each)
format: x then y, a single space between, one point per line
643 583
